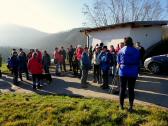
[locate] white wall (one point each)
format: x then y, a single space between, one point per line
109 37
147 35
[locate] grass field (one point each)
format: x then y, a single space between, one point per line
36 110
4 69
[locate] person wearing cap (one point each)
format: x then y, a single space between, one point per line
128 60
105 65
96 65
23 64
36 69
85 66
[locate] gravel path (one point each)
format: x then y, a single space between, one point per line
149 89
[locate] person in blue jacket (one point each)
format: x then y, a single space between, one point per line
105 65
14 65
85 65
128 62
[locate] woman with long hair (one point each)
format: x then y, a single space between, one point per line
128 62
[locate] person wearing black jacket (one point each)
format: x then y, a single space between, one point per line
142 52
23 64
46 61
70 56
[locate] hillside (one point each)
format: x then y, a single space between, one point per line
19 36
71 37
6 52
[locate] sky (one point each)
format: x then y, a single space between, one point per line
45 15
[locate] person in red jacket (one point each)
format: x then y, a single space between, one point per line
79 52
39 55
36 69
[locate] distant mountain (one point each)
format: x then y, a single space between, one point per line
19 36
71 37
5 52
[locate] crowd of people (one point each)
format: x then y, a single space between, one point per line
125 60
34 62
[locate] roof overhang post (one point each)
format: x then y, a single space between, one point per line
88 42
85 33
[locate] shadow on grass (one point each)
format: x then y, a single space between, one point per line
149 88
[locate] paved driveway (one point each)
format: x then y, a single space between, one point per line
149 88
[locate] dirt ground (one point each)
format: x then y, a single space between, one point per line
149 88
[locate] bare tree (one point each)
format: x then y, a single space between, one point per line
105 12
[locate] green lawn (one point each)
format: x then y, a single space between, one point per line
4 69
36 110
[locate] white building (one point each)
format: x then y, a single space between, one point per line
146 32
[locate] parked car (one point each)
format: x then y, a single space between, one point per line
157 64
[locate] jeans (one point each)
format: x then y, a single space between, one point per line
64 66
84 77
131 85
46 69
26 72
105 78
113 70
75 68
58 69
70 63
36 79
15 75
96 72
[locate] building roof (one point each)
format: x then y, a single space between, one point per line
133 24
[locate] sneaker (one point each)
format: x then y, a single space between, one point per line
121 108
130 110
15 82
39 86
